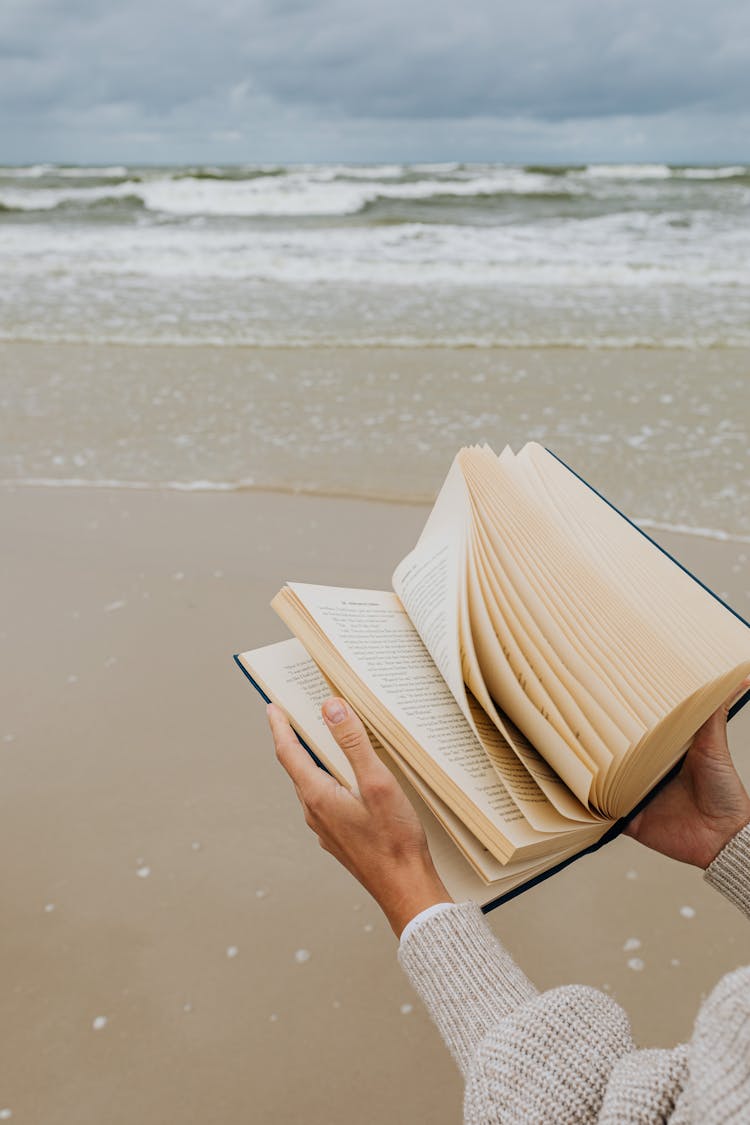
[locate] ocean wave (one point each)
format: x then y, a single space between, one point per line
64 172
247 485
304 489
388 204
28 172
51 198
292 269
275 191
636 250
377 172
283 340
282 194
478 255
555 169
231 174
124 204
628 171
687 529
98 172
730 172
305 195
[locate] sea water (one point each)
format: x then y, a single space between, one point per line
362 321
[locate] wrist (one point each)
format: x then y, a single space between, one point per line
721 842
411 892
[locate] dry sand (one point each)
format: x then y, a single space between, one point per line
147 834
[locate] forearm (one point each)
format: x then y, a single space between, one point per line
464 976
526 1056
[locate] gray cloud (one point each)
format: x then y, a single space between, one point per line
549 60
203 80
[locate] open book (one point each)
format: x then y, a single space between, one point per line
538 668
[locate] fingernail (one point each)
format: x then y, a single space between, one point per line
334 710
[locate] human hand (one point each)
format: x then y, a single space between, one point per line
373 830
704 806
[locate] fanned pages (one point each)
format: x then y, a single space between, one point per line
541 666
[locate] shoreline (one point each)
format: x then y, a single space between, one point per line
363 343
645 523
642 426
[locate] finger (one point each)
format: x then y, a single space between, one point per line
716 724
349 731
710 740
737 694
307 777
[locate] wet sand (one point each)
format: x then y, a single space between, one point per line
156 873
382 423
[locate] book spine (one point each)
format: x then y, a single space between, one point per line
263 695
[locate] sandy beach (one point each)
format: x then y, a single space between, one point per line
175 946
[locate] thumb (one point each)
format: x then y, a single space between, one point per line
737 694
631 828
712 736
349 731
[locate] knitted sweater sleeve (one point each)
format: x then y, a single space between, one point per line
567 1055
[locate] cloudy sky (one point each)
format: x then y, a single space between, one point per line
302 80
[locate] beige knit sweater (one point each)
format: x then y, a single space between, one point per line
567 1056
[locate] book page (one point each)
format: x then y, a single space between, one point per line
567 602
290 677
374 638
621 643
431 583
427 580
574 689
669 739
292 680
546 577
511 681
550 624
663 595
669 595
